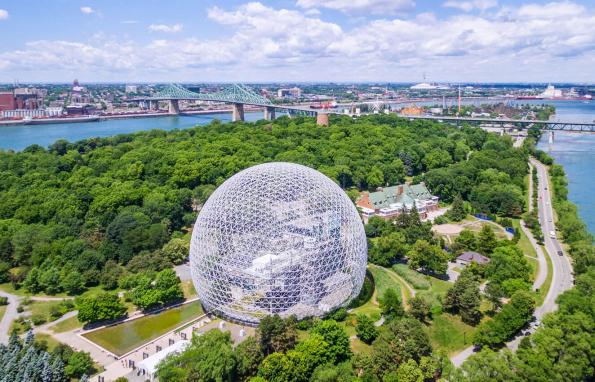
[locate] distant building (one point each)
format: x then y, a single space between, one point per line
131 89
292 92
10 100
467 258
411 110
390 202
80 109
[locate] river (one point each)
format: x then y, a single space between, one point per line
575 151
18 137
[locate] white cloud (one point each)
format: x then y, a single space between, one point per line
87 10
368 6
3 14
264 43
468 6
166 28
130 22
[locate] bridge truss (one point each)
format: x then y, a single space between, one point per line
235 93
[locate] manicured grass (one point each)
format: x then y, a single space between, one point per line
534 264
2 310
448 333
543 291
122 338
66 325
51 341
524 243
42 309
188 289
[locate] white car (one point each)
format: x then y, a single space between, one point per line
552 234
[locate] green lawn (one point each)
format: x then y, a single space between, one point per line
49 340
542 292
122 338
2 310
524 243
66 325
449 333
383 279
188 289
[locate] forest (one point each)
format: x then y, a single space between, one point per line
115 212
93 212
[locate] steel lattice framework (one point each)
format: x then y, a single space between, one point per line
233 94
277 238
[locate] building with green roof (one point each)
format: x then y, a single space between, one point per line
390 202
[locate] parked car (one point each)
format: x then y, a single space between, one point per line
560 253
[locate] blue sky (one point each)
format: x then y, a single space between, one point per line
297 40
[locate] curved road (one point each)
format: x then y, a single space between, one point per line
562 278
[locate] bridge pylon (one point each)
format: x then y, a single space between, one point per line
237 112
269 113
174 107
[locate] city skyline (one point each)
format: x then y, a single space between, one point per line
298 41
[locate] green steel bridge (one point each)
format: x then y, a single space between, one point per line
236 94
240 95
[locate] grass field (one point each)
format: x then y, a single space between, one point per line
543 291
188 289
2 310
415 279
383 281
448 333
49 340
121 338
66 325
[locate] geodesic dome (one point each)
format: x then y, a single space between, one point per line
277 238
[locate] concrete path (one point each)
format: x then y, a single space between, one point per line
45 328
542 268
10 315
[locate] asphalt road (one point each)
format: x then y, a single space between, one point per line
562 278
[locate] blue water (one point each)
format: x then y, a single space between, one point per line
18 137
576 152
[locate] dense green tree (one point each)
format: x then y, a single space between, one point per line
365 329
249 356
73 283
486 240
334 334
342 372
102 306
399 342
387 249
506 264
507 322
457 210
428 257
466 241
391 304
419 308
209 357
176 250
464 298
275 334
79 363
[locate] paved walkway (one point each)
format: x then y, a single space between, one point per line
10 315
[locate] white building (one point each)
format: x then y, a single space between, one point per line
148 366
131 89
